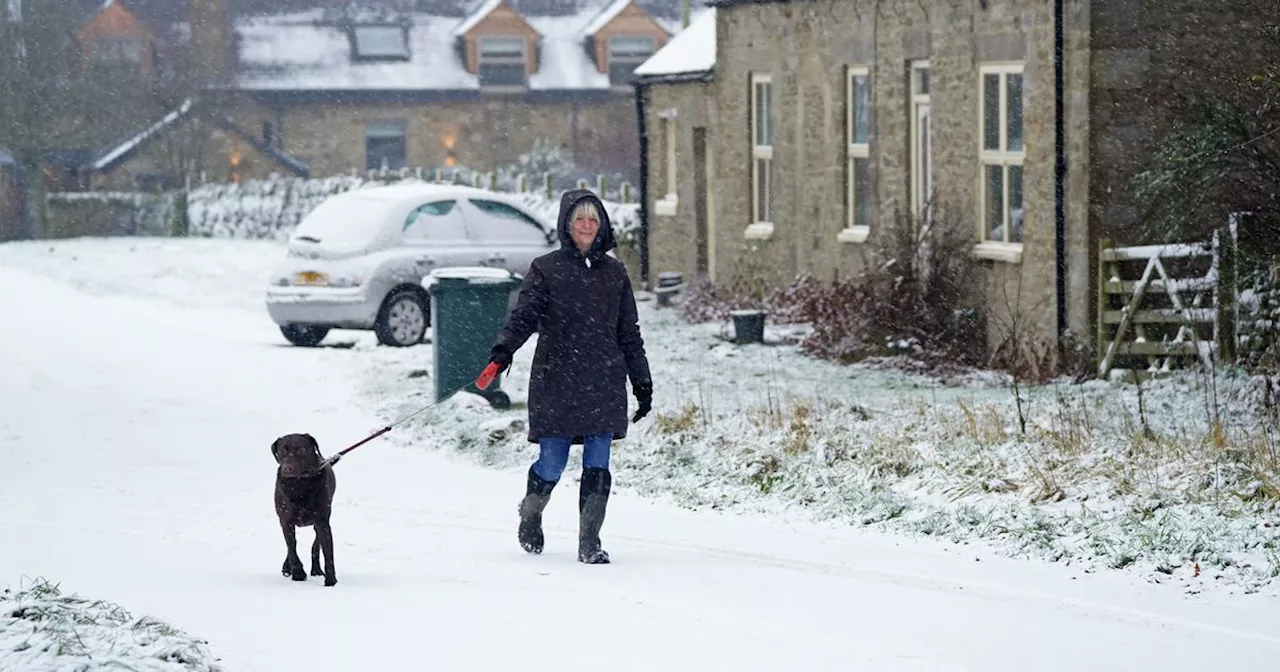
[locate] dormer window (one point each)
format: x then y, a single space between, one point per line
379 43
502 61
626 53
114 50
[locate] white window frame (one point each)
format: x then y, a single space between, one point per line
669 203
855 232
760 227
522 59
999 250
921 176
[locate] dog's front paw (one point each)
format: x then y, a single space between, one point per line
330 581
299 575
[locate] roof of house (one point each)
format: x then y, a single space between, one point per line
475 17
609 13
121 152
158 13
291 164
305 52
692 52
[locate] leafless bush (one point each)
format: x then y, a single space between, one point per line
704 301
914 298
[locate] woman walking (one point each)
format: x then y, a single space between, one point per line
580 302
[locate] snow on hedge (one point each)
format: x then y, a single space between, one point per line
271 208
43 629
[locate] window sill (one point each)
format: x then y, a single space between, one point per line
1009 253
854 234
666 206
759 231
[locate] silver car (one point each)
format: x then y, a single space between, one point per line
357 260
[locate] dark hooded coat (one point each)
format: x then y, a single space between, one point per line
589 342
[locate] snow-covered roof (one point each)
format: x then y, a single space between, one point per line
609 13
692 51
301 52
122 150
475 17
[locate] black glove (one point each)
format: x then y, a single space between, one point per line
500 356
644 395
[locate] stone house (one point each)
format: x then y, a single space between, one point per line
333 90
139 35
821 127
680 120
339 90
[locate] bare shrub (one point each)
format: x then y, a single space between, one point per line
704 301
914 299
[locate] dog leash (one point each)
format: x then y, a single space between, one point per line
486 377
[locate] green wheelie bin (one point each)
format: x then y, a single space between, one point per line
469 306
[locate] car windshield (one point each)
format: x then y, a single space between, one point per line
343 222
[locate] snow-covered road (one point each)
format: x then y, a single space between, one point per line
135 467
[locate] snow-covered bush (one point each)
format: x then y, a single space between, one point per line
271 208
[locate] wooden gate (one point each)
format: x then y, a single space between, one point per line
1180 307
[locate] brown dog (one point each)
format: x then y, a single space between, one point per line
304 498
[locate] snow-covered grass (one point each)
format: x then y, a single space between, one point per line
1178 491
43 629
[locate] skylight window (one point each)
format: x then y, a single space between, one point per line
380 43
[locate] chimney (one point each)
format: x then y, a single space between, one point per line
211 43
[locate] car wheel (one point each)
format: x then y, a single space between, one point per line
303 334
402 321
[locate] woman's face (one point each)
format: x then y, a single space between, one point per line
583 231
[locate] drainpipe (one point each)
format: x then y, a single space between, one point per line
1060 166
644 186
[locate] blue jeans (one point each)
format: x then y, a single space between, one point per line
553 454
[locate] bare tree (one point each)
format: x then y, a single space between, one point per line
46 92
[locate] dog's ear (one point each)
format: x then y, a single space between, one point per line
275 449
315 445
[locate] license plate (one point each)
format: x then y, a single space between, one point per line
311 278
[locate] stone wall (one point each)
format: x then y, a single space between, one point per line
77 214
330 137
1147 52
808 62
